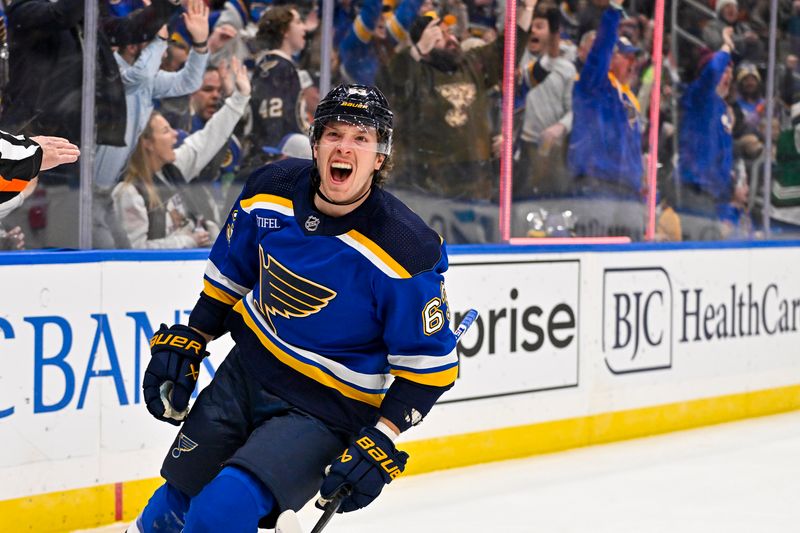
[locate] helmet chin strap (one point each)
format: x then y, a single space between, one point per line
329 201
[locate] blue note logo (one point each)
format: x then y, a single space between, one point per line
287 294
184 445
229 226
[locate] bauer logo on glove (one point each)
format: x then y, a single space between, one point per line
176 341
379 456
361 472
172 373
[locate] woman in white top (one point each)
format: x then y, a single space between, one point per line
149 202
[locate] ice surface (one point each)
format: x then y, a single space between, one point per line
738 477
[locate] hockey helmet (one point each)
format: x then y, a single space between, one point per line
357 104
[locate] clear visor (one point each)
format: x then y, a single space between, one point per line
355 133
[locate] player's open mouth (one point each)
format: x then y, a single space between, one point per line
340 171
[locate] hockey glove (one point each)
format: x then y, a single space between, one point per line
370 462
172 373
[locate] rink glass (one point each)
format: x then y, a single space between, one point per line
454 184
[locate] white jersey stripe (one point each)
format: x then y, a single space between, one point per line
374 382
278 208
366 252
423 362
213 273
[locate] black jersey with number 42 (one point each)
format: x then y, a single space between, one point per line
275 102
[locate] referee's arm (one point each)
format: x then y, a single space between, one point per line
22 158
20 161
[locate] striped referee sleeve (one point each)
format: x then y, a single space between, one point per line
20 161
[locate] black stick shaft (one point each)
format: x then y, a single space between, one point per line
332 506
330 509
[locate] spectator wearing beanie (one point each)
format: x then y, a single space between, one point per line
746 42
749 101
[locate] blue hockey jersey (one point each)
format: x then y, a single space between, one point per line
706 141
357 53
605 142
346 317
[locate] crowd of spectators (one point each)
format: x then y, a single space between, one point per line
193 95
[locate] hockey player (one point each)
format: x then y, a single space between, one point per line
333 291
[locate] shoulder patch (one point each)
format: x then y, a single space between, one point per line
265 66
271 64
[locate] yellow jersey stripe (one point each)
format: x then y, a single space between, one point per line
396 29
219 294
435 379
307 370
379 253
625 89
248 203
362 32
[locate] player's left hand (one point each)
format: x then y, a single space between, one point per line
172 372
370 462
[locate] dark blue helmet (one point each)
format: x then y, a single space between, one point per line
356 104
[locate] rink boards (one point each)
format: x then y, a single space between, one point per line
574 346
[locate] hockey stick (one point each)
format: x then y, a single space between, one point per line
330 509
288 522
466 322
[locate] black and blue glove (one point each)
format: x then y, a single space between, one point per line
370 462
173 370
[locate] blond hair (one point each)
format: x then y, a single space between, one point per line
139 170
